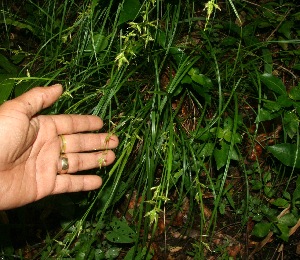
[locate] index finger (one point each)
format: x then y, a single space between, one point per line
70 124
36 99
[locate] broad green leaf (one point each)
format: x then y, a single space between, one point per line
112 253
284 229
207 97
202 80
286 153
256 184
286 28
255 201
7 65
26 85
268 60
286 195
230 199
273 83
207 150
6 86
283 43
220 133
297 16
261 229
237 138
129 11
227 135
203 134
250 40
257 217
99 254
234 155
248 34
228 123
202 91
98 44
221 155
263 24
122 186
288 219
280 202
130 254
18 24
269 191
161 38
194 71
141 254
270 213
177 174
265 115
267 177
296 193
178 54
291 123
229 40
232 27
121 232
297 107
284 101
272 106
297 65
298 182
16 59
295 93
80 256
222 207
186 80
178 90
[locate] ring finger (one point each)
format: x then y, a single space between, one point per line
86 161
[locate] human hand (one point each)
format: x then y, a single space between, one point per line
31 146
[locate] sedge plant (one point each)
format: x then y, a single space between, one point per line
166 80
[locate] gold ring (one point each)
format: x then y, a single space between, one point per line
63 144
64 164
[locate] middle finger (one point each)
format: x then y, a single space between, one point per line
75 143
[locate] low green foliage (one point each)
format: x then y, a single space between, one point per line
279 216
200 97
121 232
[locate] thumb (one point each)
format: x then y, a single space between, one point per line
37 99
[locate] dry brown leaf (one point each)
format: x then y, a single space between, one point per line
175 249
178 220
207 212
176 234
298 249
234 250
241 19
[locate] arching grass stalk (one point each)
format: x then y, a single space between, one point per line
224 175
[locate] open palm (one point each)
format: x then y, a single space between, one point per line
31 147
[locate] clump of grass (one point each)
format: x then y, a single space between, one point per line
181 89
